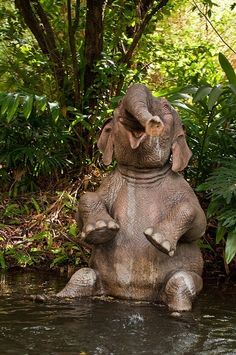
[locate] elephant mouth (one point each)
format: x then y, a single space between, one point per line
136 138
138 134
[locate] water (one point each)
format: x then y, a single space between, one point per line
92 327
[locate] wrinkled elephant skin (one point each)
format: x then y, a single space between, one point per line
144 220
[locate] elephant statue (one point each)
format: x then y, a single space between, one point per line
144 220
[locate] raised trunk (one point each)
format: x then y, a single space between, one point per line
138 102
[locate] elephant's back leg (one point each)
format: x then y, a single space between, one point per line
180 289
83 283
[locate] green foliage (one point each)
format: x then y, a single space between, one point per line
221 186
31 232
22 65
34 140
209 114
228 69
187 46
40 249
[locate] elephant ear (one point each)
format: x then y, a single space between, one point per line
106 141
181 153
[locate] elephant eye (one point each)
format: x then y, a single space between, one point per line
107 130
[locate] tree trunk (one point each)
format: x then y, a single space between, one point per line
93 41
72 28
37 21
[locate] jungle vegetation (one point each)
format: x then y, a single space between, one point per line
64 66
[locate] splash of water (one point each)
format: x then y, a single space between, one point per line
135 319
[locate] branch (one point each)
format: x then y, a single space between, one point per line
213 27
49 35
57 63
76 20
37 21
126 59
31 21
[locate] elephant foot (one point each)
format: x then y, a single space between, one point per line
160 241
40 298
101 231
180 290
81 284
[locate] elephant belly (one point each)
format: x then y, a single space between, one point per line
129 266
124 273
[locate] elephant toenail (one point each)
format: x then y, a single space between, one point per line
166 245
100 224
149 231
89 228
171 253
157 237
113 225
82 235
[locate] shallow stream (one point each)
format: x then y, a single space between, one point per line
92 327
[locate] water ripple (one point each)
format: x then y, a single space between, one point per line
94 327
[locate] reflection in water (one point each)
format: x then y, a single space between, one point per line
98 327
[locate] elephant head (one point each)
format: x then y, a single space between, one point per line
145 132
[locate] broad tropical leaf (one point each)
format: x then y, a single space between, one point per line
55 110
41 103
228 69
230 249
28 105
214 96
202 92
12 106
9 100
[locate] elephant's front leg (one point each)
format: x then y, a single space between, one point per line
186 222
96 225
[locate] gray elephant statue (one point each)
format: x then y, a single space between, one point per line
144 220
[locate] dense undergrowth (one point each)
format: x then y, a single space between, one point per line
39 229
